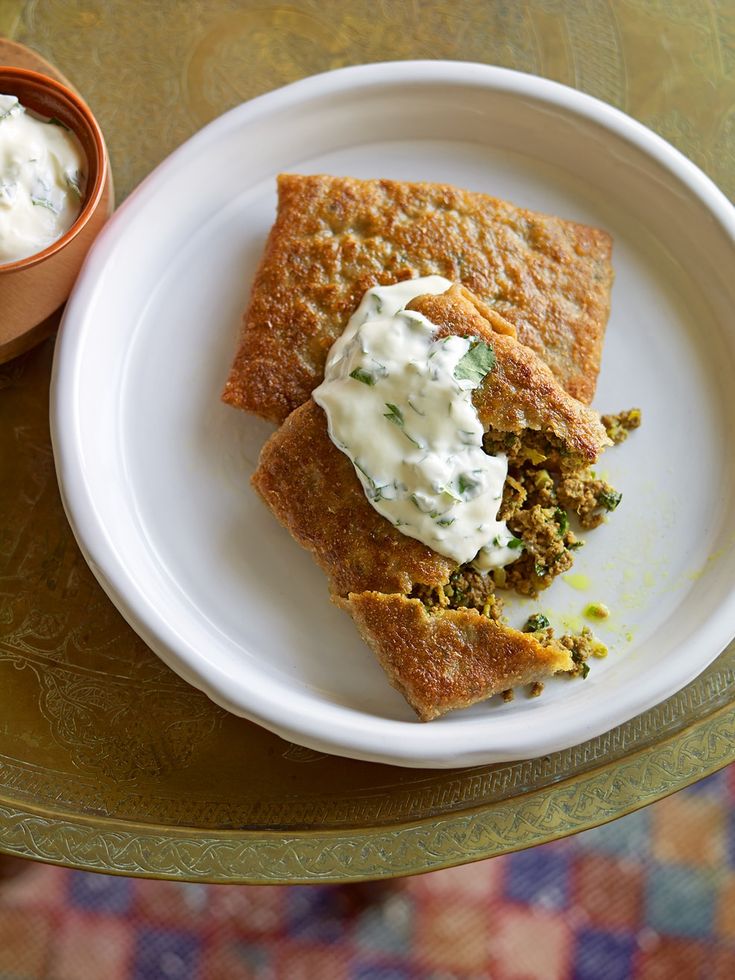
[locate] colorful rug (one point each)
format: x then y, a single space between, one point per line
649 897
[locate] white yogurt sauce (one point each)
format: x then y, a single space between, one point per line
41 181
399 404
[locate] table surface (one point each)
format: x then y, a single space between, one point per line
110 762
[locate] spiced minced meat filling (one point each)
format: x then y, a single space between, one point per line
545 485
582 646
544 488
618 426
466 589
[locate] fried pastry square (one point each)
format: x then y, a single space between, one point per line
335 237
435 627
450 658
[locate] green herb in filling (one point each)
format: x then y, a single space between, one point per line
581 647
536 622
562 519
609 499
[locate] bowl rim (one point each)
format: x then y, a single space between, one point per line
94 195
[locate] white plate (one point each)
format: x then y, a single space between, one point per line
154 469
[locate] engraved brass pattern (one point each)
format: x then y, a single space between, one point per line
270 857
108 760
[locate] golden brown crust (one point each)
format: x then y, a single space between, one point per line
450 659
335 237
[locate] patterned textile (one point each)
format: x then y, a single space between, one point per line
649 897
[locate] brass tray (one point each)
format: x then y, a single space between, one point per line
110 762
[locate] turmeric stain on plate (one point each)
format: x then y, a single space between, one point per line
572 623
713 557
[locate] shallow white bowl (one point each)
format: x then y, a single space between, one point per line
154 469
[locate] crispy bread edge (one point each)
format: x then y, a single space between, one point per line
449 659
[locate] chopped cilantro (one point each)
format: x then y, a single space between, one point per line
394 415
514 543
476 363
360 374
584 669
466 482
433 514
417 444
41 202
375 493
536 622
609 499
562 519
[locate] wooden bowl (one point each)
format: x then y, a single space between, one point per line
33 288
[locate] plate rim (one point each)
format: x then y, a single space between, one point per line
581 802
436 747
